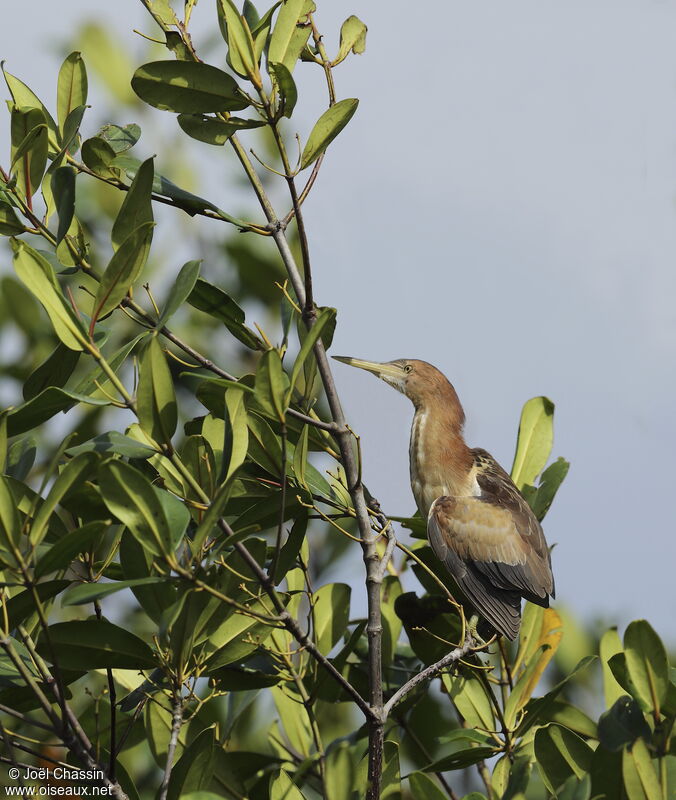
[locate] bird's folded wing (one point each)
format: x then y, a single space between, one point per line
487 538
500 607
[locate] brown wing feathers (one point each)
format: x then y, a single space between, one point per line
493 546
501 608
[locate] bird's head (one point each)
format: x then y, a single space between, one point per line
418 380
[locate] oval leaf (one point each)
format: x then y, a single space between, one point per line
71 90
122 271
155 397
327 127
95 644
130 497
37 274
187 87
536 435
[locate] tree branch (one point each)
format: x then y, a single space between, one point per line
429 672
176 722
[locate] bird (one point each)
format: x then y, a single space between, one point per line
478 523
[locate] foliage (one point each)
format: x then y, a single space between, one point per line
166 620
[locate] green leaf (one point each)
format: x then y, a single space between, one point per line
559 754
63 189
71 90
98 155
190 203
29 136
123 270
75 472
87 385
88 592
535 440
71 138
622 724
471 700
324 318
44 406
242 679
460 759
131 498
195 767
236 33
95 644
177 515
25 97
120 138
270 388
331 614
37 274
424 788
54 371
538 708
9 222
237 638
291 32
327 127
10 524
22 605
21 457
609 646
218 304
647 664
60 555
158 720
3 440
391 779
261 30
113 442
550 481
286 86
638 773
187 87
352 37
155 396
136 210
234 453
283 788
573 718
180 291
215 131
293 718
237 432
300 456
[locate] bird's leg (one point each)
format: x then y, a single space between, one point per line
472 627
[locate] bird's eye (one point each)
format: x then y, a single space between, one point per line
408 368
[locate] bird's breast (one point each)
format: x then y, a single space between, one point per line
436 465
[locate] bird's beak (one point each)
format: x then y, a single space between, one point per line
382 370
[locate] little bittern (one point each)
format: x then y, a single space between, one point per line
478 523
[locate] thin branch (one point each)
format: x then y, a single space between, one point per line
25 718
272 572
9 747
429 672
389 549
176 722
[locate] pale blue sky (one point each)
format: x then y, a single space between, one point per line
503 206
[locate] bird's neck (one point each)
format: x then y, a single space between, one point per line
440 460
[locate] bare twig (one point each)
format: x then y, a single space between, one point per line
429 672
176 722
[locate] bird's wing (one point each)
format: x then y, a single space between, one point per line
493 546
498 490
463 533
